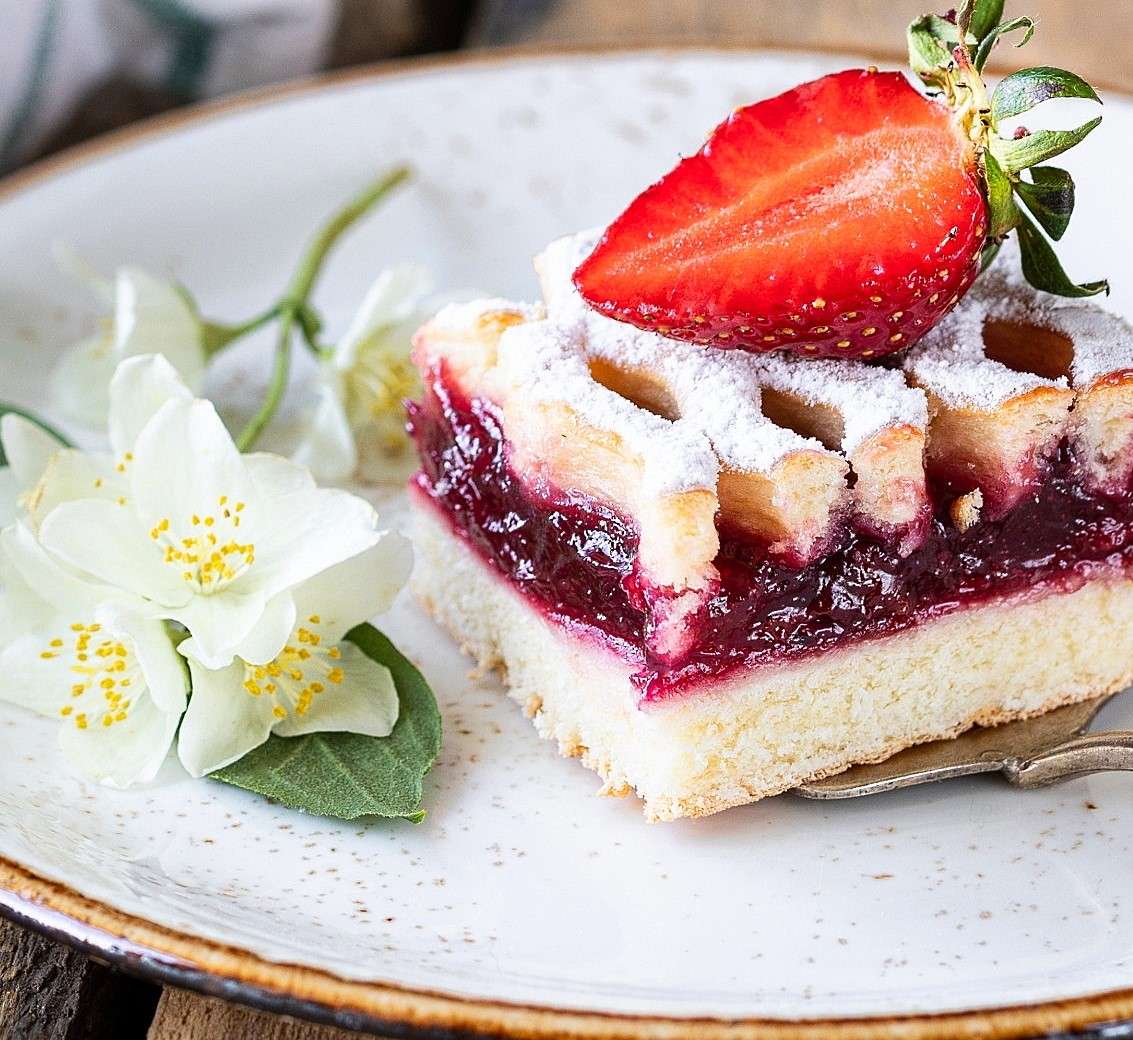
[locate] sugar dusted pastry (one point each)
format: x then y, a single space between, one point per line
713 576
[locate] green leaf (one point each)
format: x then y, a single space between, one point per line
5 409
1049 197
988 254
985 16
1028 88
929 50
988 42
1042 268
347 775
1035 148
1003 214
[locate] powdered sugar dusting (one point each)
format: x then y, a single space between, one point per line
1103 342
459 317
869 399
549 363
717 390
722 388
950 360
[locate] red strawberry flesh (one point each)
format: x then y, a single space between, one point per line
842 218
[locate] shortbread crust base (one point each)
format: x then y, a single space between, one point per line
769 729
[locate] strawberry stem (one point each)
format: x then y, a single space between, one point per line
948 53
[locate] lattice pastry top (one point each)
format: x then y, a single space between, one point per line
687 440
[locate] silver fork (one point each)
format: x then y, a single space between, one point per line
1032 753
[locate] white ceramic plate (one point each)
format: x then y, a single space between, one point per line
522 892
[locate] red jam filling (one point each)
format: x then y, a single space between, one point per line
573 557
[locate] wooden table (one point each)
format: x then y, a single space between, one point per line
50 992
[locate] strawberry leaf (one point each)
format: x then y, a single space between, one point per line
347 775
984 16
1003 214
930 49
1028 151
6 409
1028 88
987 43
1042 268
988 254
1050 198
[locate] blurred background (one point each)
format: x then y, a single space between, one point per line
70 69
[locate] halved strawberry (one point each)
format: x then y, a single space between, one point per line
843 218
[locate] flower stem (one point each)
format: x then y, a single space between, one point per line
294 308
304 280
281 368
217 336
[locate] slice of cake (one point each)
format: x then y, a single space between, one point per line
714 575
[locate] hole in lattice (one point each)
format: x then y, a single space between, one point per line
636 385
1028 348
819 421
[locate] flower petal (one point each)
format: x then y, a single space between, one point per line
219 623
28 448
385 453
166 675
327 446
30 679
307 532
184 463
392 298
264 642
128 752
106 541
140 386
364 702
224 721
21 609
70 261
152 317
48 580
80 381
355 590
273 475
73 474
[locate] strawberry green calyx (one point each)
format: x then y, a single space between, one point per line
949 54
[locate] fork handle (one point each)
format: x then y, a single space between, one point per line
1089 753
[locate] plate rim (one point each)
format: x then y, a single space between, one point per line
173 958
184 961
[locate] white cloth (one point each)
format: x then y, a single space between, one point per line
54 51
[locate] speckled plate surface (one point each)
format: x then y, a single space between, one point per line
523 904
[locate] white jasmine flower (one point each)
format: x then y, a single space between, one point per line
74 649
358 423
205 536
74 652
316 682
149 316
